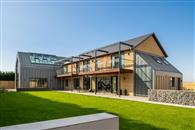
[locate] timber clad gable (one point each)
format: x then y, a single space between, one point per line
150 46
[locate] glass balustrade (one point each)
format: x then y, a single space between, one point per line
100 66
62 71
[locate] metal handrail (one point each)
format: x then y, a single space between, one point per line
101 67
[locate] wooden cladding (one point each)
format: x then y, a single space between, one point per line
104 64
150 46
167 82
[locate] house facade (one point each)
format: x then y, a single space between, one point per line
129 67
36 71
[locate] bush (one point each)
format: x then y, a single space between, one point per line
7 75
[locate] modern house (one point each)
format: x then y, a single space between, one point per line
129 67
36 71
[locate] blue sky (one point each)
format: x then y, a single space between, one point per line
68 28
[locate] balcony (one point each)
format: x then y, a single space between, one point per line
62 73
101 68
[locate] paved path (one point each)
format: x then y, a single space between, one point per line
131 98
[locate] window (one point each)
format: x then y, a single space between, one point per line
38 83
123 61
66 82
77 67
172 81
76 83
86 65
42 59
158 60
65 69
98 63
115 61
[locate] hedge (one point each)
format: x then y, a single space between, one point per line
7 75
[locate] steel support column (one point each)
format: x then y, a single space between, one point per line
61 82
119 73
95 70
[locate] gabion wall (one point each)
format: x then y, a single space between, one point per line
184 97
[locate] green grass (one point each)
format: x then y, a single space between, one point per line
24 107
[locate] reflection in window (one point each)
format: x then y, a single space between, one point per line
42 59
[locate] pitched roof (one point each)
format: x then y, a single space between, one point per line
111 48
163 66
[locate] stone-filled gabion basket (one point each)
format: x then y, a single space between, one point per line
183 97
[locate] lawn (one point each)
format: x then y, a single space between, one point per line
24 107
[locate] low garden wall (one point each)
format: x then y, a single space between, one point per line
7 84
100 121
183 97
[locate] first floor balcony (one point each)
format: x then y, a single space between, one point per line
100 68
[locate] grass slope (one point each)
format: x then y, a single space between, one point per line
24 107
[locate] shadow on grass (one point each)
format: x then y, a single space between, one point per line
18 108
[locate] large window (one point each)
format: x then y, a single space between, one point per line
66 82
98 63
123 61
38 83
76 83
42 59
65 69
86 66
143 76
104 83
115 61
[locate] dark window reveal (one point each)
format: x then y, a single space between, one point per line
66 82
179 83
172 82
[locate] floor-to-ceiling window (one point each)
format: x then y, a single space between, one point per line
86 83
114 80
104 84
143 76
76 83
107 83
86 66
115 61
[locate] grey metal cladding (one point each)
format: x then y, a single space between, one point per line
158 66
28 70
